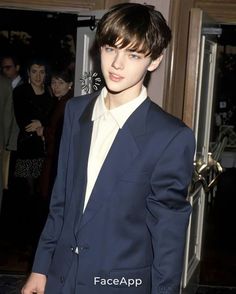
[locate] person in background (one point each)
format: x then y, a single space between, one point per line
118 212
6 120
62 89
10 67
33 105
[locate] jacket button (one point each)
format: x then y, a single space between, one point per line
62 279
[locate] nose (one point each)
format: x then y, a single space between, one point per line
118 62
37 76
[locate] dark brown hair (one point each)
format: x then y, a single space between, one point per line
137 26
64 74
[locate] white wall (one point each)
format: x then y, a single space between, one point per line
156 84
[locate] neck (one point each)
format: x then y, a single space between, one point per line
38 89
114 100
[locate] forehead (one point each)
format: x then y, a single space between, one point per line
7 61
133 45
54 79
37 67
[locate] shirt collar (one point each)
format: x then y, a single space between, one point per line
120 113
99 107
15 81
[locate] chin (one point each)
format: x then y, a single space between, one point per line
114 88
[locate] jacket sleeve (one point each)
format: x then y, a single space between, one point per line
54 223
12 142
168 211
8 116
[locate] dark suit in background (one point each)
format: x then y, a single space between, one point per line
6 123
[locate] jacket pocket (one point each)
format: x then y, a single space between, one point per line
131 278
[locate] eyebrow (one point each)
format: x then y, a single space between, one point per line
126 49
7 65
133 50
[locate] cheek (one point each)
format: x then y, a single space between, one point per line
65 88
62 89
136 72
106 60
103 68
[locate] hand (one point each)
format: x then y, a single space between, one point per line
39 131
33 126
35 284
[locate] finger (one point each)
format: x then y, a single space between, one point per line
29 125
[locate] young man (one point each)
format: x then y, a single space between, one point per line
118 214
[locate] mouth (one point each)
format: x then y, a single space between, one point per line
114 77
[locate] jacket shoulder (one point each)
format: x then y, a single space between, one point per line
164 124
22 90
164 118
82 101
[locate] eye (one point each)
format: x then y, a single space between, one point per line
134 55
108 48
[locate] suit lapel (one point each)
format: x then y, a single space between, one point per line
82 138
124 150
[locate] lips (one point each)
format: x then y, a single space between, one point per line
115 78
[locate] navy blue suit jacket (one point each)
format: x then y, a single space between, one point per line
131 236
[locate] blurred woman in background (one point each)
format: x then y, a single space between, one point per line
33 105
62 89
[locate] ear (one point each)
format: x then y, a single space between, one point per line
155 63
17 67
70 85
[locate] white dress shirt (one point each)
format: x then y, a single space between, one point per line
106 124
15 81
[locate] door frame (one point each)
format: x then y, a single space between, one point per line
206 48
192 70
88 76
179 22
46 5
